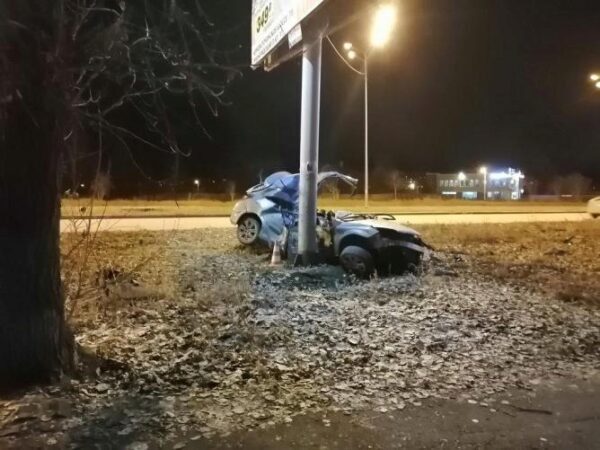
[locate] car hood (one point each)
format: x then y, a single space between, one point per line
386 224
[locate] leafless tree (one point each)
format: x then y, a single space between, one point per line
99 70
230 189
102 185
394 181
557 185
577 185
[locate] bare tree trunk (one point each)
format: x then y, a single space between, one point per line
34 343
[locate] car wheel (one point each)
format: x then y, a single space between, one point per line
357 260
406 262
248 230
595 216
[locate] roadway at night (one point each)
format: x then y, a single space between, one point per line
191 223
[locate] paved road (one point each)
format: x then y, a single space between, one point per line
190 223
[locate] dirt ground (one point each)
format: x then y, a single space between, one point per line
186 208
188 341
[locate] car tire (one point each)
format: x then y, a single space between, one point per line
248 230
358 261
408 262
595 216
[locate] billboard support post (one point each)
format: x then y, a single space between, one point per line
309 151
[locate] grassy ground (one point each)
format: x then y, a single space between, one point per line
185 337
560 259
135 208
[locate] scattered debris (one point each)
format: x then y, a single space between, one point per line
243 345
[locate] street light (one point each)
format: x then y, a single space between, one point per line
483 171
594 77
384 22
197 184
382 27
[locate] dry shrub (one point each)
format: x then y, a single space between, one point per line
102 272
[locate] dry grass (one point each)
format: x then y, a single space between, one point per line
105 271
136 208
561 259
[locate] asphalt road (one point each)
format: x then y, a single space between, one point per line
190 223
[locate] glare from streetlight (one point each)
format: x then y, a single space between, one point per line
462 176
483 170
197 182
597 85
352 54
383 25
348 46
595 77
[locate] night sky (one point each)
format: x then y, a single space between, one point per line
463 83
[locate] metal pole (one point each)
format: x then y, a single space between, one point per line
309 152
366 131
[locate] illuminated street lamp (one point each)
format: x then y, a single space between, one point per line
384 23
462 176
483 171
382 27
197 184
595 78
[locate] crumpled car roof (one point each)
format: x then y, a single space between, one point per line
283 188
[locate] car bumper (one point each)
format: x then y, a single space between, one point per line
237 213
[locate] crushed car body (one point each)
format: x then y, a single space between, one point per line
361 243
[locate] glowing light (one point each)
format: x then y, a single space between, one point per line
384 22
597 85
352 54
516 175
412 186
197 182
348 46
483 170
462 176
595 77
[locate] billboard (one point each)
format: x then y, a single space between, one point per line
272 21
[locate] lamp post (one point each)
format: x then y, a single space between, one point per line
383 24
483 171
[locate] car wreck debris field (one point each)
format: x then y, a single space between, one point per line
192 337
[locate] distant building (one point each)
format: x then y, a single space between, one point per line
501 185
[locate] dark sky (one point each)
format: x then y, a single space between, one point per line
463 83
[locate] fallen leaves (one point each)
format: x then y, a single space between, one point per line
241 345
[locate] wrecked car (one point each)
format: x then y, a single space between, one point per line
361 243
